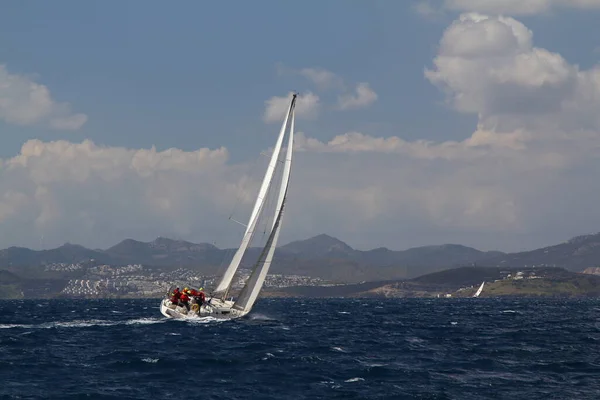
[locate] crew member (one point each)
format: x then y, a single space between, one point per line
175 296
184 299
201 297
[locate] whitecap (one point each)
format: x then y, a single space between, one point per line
150 360
354 380
201 320
10 326
260 317
145 321
78 324
338 349
374 365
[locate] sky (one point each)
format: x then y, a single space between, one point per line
418 123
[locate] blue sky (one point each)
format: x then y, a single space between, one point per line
192 75
149 74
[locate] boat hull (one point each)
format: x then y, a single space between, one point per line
215 308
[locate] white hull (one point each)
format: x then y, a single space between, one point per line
216 309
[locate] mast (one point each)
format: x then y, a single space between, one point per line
225 283
250 292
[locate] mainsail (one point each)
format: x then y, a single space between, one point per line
250 292
479 290
226 280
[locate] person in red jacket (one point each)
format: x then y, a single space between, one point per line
184 299
175 296
200 297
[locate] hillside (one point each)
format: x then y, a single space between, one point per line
463 282
322 256
576 254
13 286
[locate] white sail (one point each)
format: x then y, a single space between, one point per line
217 305
479 290
250 292
225 282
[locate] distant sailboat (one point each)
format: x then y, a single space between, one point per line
478 292
217 305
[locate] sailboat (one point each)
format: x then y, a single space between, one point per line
219 304
478 292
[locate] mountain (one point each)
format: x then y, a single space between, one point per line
319 246
67 253
577 254
321 256
166 252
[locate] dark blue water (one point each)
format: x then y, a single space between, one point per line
304 349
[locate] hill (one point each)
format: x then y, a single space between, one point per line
13 286
576 254
322 256
463 282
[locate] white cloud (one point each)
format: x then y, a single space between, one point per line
364 97
480 144
489 66
307 106
96 196
25 102
321 77
80 191
518 7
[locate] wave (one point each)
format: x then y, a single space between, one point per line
83 323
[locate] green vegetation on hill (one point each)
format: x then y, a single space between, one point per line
13 286
575 286
463 282
10 286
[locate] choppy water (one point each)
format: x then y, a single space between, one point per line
304 349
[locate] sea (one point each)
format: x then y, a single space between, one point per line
303 349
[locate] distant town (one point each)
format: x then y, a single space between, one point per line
134 280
